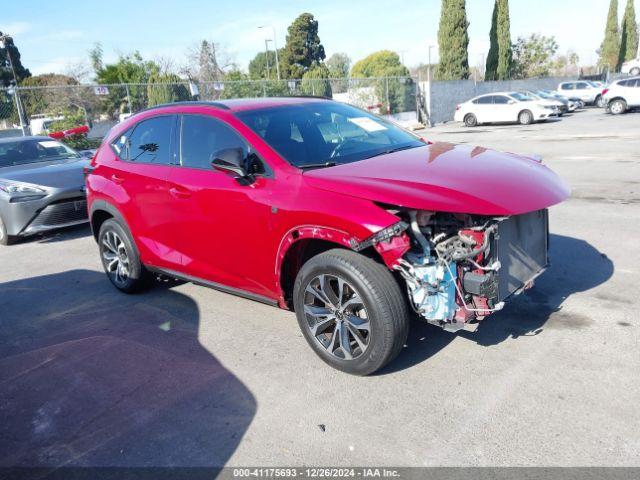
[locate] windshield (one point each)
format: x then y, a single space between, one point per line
520 97
21 152
318 134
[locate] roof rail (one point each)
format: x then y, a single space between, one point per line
189 102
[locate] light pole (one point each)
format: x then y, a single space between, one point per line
23 124
429 70
275 47
266 52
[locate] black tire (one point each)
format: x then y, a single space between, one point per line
384 306
525 117
5 239
470 120
617 106
137 277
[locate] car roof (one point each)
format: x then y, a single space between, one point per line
25 139
242 104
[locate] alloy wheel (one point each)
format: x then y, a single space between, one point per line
336 316
115 257
617 107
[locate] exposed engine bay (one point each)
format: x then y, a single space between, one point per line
461 268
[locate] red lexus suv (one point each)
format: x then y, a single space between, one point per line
320 207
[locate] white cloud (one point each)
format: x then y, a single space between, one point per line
15 28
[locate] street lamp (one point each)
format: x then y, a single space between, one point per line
275 47
3 44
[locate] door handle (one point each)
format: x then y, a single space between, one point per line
179 192
117 179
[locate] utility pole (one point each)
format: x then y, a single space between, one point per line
23 124
275 46
266 53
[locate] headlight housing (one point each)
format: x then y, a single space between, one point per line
21 192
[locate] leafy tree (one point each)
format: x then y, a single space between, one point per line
315 81
453 41
610 50
238 85
45 101
394 91
258 65
383 63
128 69
6 75
302 48
166 88
629 39
95 57
499 59
533 56
338 64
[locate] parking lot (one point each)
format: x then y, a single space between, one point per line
186 376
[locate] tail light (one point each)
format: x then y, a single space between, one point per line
457 107
604 92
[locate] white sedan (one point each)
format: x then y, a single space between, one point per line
502 107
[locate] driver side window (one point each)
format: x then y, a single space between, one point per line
203 137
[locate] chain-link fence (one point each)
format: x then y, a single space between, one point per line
100 106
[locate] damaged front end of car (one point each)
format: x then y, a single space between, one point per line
460 268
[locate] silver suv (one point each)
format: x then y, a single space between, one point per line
583 90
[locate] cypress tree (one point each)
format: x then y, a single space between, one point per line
629 40
453 41
499 59
610 50
303 48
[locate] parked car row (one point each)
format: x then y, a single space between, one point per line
524 107
529 106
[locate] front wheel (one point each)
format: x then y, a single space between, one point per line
635 71
5 238
120 258
525 117
351 311
618 106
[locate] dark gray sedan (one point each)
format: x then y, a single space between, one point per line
41 187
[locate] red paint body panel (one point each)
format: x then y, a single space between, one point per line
449 178
203 223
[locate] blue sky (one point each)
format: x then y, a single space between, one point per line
53 35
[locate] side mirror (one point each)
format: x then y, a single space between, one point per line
230 160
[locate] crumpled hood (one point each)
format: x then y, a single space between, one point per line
449 178
54 174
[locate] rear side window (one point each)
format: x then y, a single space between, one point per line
149 142
484 100
582 86
202 137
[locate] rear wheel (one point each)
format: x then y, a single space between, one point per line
5 238
470 120
618 106
351 311
120 258
600 103
525 117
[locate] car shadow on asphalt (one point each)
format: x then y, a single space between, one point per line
576 266
92 378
